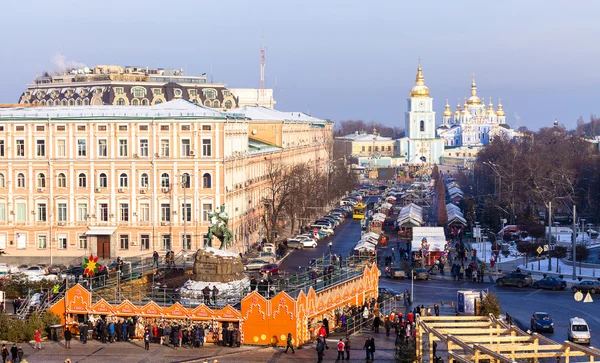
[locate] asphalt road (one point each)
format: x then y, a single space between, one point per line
520 303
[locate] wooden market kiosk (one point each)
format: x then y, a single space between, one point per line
261 321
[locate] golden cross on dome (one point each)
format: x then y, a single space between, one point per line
419 61
473 76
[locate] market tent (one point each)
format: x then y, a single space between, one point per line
411 214
436 239
364 245
378 217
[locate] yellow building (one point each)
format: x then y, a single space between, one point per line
363 144
109 180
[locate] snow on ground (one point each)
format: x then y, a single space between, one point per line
513 254
230 292
587 273
221 253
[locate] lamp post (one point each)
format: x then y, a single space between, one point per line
184 184
549 234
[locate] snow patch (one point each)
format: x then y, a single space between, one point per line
229 292
221 253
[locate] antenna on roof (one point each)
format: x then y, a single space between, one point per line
262 67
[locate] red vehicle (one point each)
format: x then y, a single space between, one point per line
270 269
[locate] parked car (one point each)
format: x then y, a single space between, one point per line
420 274
579 331
267 256
270 269
306 236
34 271
309 243
515 279
56 269
542 321
74 271
553 283
587 286
295 244
394 272
387 294
254 265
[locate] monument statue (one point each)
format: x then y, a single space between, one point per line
218 228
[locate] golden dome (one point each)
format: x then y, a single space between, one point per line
490 109
500 111
474 100
419 89
447 111
465 110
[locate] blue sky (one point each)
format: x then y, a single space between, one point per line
339 59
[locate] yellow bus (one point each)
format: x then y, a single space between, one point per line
359 211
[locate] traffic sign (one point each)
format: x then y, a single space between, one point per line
540 250
578 296
588 298
315 231
546 248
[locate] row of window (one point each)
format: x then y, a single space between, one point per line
42 128
124 212
102 150
389 148
121 102
61 180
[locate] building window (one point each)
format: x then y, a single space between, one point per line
124 212
81 147
3 212
144 180
164 180
164 127
206 180
118 90
145 242
124 241
2 148
82 212
123 182
144 212
62 180
2 181
20 128
102 181
389 148
186 212
187 242
156 91
206 128
422 125
143 147
227 104
210 93
185 127
41 180
61 148
102 148
80 127
104 212
177 93
61 128
86 102
144 102
363 148
206 147
21 212
192 92
143 127
40 147
20 180
122 127
138 92
82 180
207 103
41 212
42 240
185 147
164 147
186 180
206 207
122 147
83 242
216 104
20 147
166 242
62 212
121 102
102 128
165 212
62 241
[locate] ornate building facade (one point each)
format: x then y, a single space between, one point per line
126 181
137 86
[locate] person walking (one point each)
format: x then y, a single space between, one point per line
340 349
68 337
4 353
215 292
14 352
147 339
320 349
367 348
206 294
376 323
347 348
289 343
326 325
155 259
388 327
38 339
436 309
372 349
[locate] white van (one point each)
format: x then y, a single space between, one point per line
579 331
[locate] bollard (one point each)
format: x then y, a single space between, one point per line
451 304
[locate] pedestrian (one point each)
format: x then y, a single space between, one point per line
372 348
124 330
320 349
367 348
347 348
289 343
147 339
376 323
481 272
68 337
340 349
215 292
365 315
155 259
14 352
322 331
20 353
436 309
326 325
175 338
38 339
4 353
474 276
206 294
388 327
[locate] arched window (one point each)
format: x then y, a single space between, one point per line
56 103
102 181
138 92
20 180
86 102
82 180
206 180
144 180
62 180
71 103
422 125
78 102
63 102
41 180
43 103
164 180
135 102
144 102
216 104
158 102
186 180
2 181
227 104
207 103
123 182
121 102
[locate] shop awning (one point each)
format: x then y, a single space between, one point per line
364 245
100 231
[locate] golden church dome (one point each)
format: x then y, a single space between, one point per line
500 111
465 110
419 89
447 111
490 109
474 100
